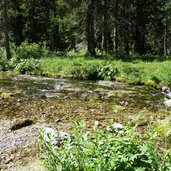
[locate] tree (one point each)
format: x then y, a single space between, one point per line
90 28
116 22
6 29
140 28
16 21
105 26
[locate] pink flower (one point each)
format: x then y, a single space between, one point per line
66 97
165 89
122 102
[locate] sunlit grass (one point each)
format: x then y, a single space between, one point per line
154 74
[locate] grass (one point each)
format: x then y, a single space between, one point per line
154 74
133 69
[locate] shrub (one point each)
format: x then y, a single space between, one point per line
82 69
28 51
27 66
108 72
2 53
4 65
99 150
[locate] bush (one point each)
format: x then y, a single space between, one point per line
99 150
108 72
27 66
4 65
80 68
28 51
2 53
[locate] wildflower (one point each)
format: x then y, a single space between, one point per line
126 103
166 92
122 102
165 89
115 127
66 97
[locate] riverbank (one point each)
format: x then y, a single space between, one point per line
156 74
133 69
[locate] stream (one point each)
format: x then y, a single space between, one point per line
51 102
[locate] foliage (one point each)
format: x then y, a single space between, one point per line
4 65
2 53
122 26
83 68
75 65
27 66
24 58
28 50
100 150
108 72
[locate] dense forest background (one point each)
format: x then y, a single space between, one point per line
110 26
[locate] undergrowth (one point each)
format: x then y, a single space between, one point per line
154 74
98 150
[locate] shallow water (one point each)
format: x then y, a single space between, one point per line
36 86
58 102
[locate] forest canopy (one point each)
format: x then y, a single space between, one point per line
131 26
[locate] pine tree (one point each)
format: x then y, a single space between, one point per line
6 28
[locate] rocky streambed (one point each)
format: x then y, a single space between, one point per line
29 103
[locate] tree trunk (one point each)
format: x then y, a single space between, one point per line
115 29
6 30
90 29
18 24
165 40
126 27
105 27
140 28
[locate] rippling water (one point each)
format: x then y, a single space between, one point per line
26 85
